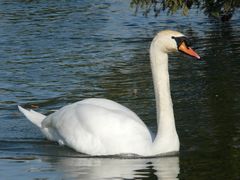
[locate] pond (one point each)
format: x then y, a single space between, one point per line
54 53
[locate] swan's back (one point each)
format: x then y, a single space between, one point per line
98 127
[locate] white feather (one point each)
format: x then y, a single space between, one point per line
35 117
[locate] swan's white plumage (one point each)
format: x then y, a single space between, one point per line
35 117
104 127
99 127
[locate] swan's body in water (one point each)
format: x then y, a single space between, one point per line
103 127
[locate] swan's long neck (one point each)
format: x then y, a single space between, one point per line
166 139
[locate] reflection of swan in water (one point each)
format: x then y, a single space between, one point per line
110 168
104 127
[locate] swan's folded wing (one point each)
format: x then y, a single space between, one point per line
94 129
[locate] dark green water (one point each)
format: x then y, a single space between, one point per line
53 53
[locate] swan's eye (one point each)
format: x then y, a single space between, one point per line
187 42
182 39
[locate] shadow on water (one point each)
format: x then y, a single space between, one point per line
223 96
215 136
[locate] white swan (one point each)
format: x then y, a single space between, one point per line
104 127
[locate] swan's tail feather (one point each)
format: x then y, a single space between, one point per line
35 117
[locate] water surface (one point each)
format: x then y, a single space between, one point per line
54 53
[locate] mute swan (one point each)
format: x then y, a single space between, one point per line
103 127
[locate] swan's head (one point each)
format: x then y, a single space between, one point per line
172 41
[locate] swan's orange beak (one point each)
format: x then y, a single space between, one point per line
187 50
